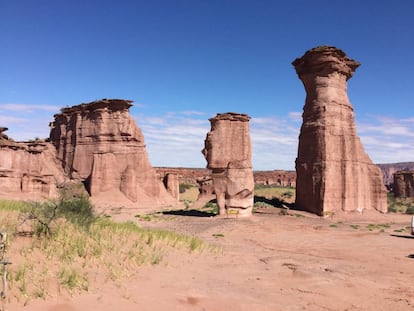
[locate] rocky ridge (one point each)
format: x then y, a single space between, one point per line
100 144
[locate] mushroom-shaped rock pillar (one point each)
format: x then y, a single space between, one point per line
333 171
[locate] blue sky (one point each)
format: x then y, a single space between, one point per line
184 61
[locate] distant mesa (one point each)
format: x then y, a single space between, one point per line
333 171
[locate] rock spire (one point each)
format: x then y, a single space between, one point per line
333 171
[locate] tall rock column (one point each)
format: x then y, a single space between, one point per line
228 154
333 171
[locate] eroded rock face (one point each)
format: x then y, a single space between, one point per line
172 183
333 171
404 184
228 154
28 170
100 144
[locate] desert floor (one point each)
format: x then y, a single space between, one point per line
267 262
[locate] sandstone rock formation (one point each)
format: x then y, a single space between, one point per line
172 185
100 144
28 170
404 184
333 171
275 178
185 175
205 192
388 170
228 154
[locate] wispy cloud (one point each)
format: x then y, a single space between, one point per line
387 139
27 121
177 138
28 107
295 116
274 142
192 113
9 120
174 140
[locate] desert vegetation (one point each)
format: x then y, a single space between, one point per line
63 246
82 249
400 205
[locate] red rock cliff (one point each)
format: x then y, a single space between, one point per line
100 144
28 170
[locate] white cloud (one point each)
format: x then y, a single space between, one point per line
9 120
28 108
387 139
176 139
192 113
295 116
26 121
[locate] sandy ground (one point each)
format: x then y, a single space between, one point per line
267 262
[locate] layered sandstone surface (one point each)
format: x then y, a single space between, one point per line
228 154
28 170
100 144
333 171
404 184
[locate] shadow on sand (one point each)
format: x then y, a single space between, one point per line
197 213
403 236
275 202
190 213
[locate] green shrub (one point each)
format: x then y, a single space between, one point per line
410 210
211 207
262 204
79 211
184 187
287 194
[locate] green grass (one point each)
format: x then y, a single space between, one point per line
78 243
400 205
270 192
72 279
372 227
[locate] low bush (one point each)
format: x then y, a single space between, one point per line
184 187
